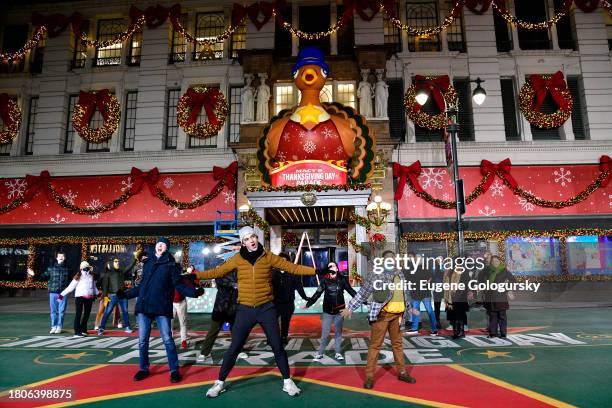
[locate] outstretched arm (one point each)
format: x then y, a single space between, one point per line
294 269
219 271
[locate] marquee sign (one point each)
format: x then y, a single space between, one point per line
302 172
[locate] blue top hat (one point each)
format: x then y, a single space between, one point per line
310 56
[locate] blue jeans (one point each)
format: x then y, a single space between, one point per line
416 305
109 308
326 322
58 309
144 333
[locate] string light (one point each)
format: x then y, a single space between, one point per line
544 25
424 119
206 129
538 118
205 42
426 31
80 123
312 36
11 126
38 36
121 37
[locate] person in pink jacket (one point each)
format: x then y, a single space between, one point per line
85 291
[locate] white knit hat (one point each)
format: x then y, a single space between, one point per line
84 265
246 232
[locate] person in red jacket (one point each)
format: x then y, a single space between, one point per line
179 304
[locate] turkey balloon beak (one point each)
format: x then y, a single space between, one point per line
309 76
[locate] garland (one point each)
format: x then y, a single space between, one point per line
354 275
11 118
443 94
289 239
342 238
252 218
426 31
189 107
107 104
500 8
310 187
533 93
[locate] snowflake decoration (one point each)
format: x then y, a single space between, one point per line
487 211
281 156
327 133
497 188
432 178
70 197
27 205
302 134
309 146
58 219
196 197
339 150
564 177
16 188
94 205
168 182
609 198
525 205
127 184
445 196
229 196
174 211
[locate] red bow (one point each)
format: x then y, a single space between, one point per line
55 23
472 5
435 87
140 177
413 172
154 15
36 184
555 85
605 164
197 100
360 7
89 100
502 170
587 5
230 172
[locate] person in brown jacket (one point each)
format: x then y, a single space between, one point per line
253 265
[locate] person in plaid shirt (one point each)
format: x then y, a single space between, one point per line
388 309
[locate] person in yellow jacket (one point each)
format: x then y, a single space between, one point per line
253 265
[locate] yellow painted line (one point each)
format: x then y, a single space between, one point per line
59 377
377 393
147 391
512 387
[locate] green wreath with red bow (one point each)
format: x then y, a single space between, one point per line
534 92
107 104
190 105
11 118
442 92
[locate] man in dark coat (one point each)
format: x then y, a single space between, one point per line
284 286
496 303
160 276
59 277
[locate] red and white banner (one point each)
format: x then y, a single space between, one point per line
303 172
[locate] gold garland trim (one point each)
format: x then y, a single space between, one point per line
102 134
423 119
539 119
12 129
544 25
426 31
206 129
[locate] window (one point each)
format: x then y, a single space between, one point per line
282 38
466 117
397 114
69 140
171 123
503 38
133 58
566 35
579 117
238 41
36 61
393 35
31 129
454 33
235 112
314 19
346 35
109 30
178 47
508 95
79 55
326 94
129 129
95 122
534 12
422 14
13 39
210 141
345 94
284 97
208 26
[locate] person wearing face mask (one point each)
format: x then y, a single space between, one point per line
58 275
253 265
333 285
112 282
84 286
160 276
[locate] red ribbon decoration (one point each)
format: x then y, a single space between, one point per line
154 15
587 6
231 171
413 172
435 87
555 85
238 14
263 7
478 6
140 177
55 23
197 100
605 164
4 109
502 170
89 100
36 184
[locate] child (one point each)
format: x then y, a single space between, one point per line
84 286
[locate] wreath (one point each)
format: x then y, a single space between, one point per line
107 104
190 105
443 94
11 117
533 94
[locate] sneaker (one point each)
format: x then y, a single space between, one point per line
368 384
129 330
100 332
84 334
175 377
120 326
502 336
77 336
95 327
338 356
184 344
434 333
412 332
405 377
465 327
449 328
243 355
52 331
58 329
318 357
216 389
141 375
204 358
290 388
